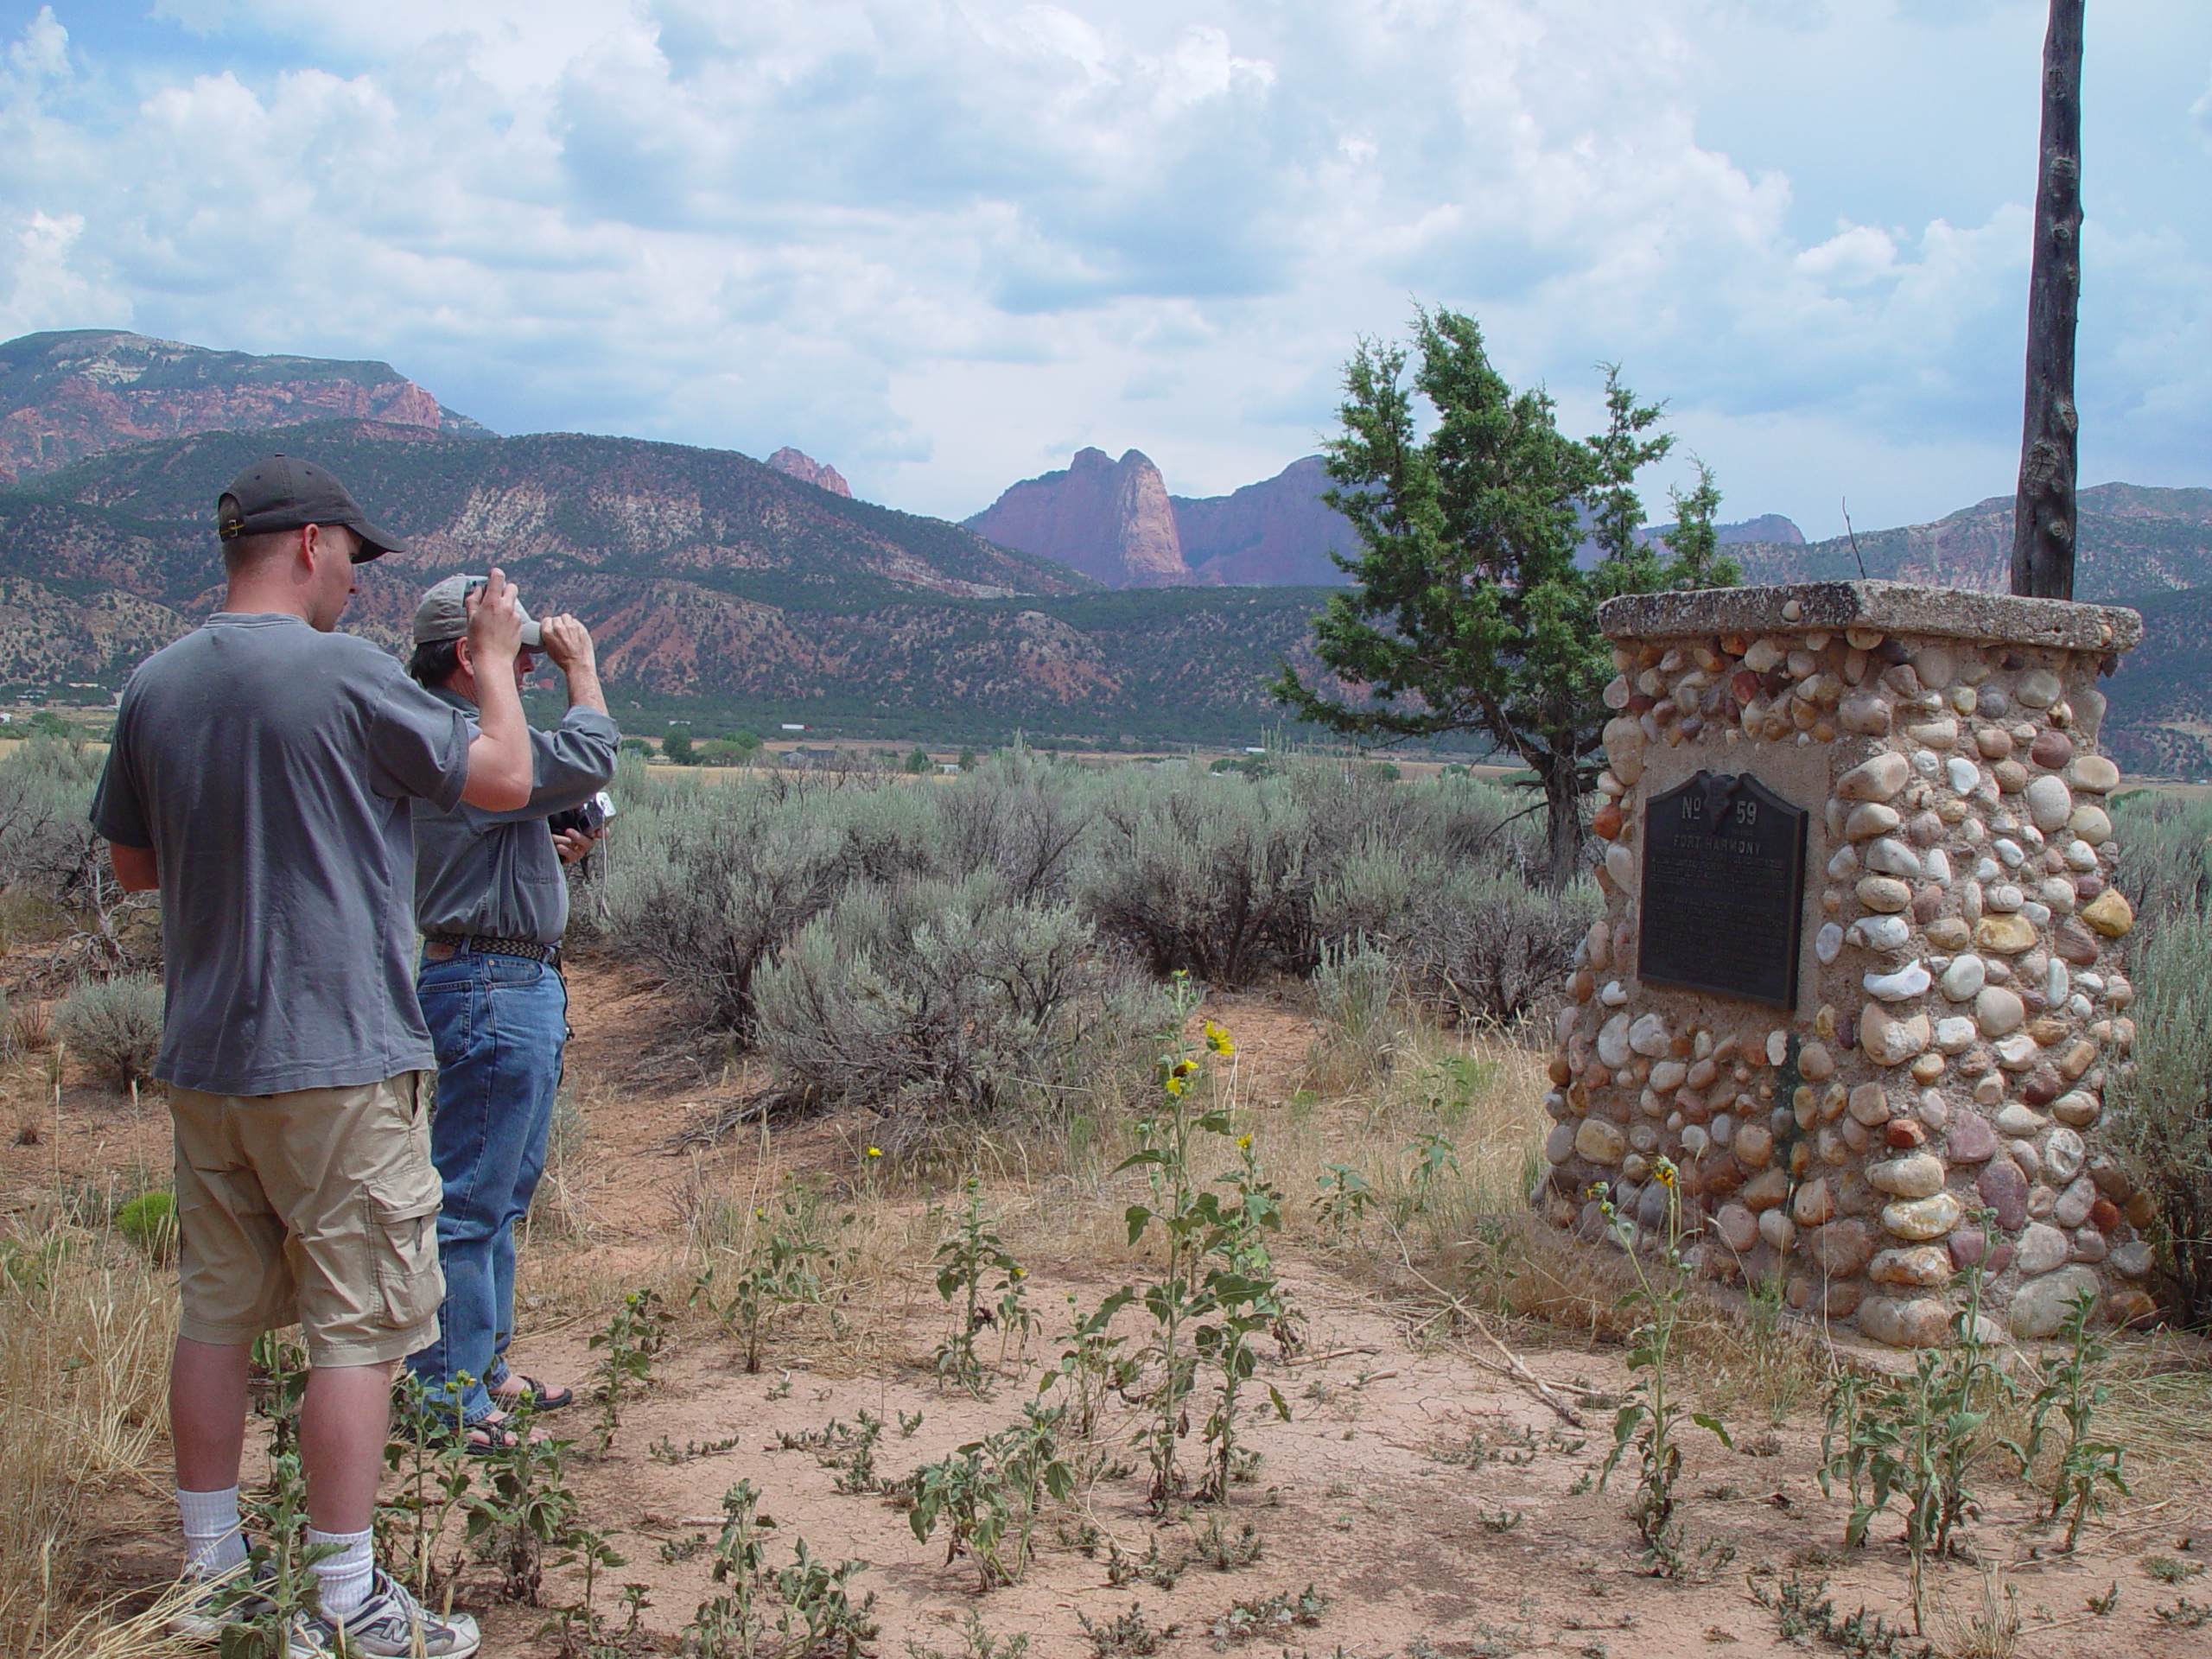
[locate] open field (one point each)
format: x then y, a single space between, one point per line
1450 1387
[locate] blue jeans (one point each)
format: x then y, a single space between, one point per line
498 1024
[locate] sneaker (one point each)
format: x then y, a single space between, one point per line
228 1598
389 1624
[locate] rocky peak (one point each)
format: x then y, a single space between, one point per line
1110 520
65 396
1279 531
795 463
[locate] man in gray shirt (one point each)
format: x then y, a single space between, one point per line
493 905
260 777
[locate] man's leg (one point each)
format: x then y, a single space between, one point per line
350 1169
471 1148
344 1419
207 1410
232 1282
533 1018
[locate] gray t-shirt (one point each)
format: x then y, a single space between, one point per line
497 874
270 768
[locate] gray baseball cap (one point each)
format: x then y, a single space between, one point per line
443 613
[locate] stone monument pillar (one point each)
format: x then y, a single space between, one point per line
1860 973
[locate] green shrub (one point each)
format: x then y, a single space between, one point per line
2159 1104
1355 988
2159 1114
116 1023
149 1222
1215 877
2166 870
938 997
711 882
1225 877
47 846
1471 941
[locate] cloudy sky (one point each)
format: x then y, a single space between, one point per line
942 242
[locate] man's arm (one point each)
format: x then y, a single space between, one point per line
135 870
498 758
568 642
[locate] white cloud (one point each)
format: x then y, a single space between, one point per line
941 242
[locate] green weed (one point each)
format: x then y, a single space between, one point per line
978 1642
635 1332
990 1494
1919 1439
1218 1289
2085 1466
972 1252
771 1278
1651 1419
1268 1617
1805 1613
1125 1635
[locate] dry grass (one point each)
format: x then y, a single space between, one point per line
1988 1627
86 1327
108 1633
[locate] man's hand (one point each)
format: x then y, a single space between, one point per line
499 767
136 870
495 628
568 642
575 845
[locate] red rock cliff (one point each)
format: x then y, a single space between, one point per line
1110 520
796 463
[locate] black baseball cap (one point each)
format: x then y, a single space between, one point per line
284 492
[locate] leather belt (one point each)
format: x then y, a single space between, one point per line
477 942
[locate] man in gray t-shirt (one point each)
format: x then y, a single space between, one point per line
261 778
276 765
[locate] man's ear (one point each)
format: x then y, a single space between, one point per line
464 655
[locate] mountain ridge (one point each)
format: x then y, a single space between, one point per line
708 579
69 394
765 591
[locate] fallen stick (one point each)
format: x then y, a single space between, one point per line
1512 1366
1333 1353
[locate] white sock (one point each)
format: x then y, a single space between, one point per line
344 1575
213 1542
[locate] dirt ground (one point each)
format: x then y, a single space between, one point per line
1432 1503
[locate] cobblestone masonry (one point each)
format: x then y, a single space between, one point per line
1963 985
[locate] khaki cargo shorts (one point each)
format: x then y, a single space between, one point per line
318 1207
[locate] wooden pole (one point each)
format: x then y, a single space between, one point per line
2042 507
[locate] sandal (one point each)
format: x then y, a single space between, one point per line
480 1440
535 1396
497 1436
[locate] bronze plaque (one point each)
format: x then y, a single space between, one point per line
1723 890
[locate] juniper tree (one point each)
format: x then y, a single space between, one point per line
1471 612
